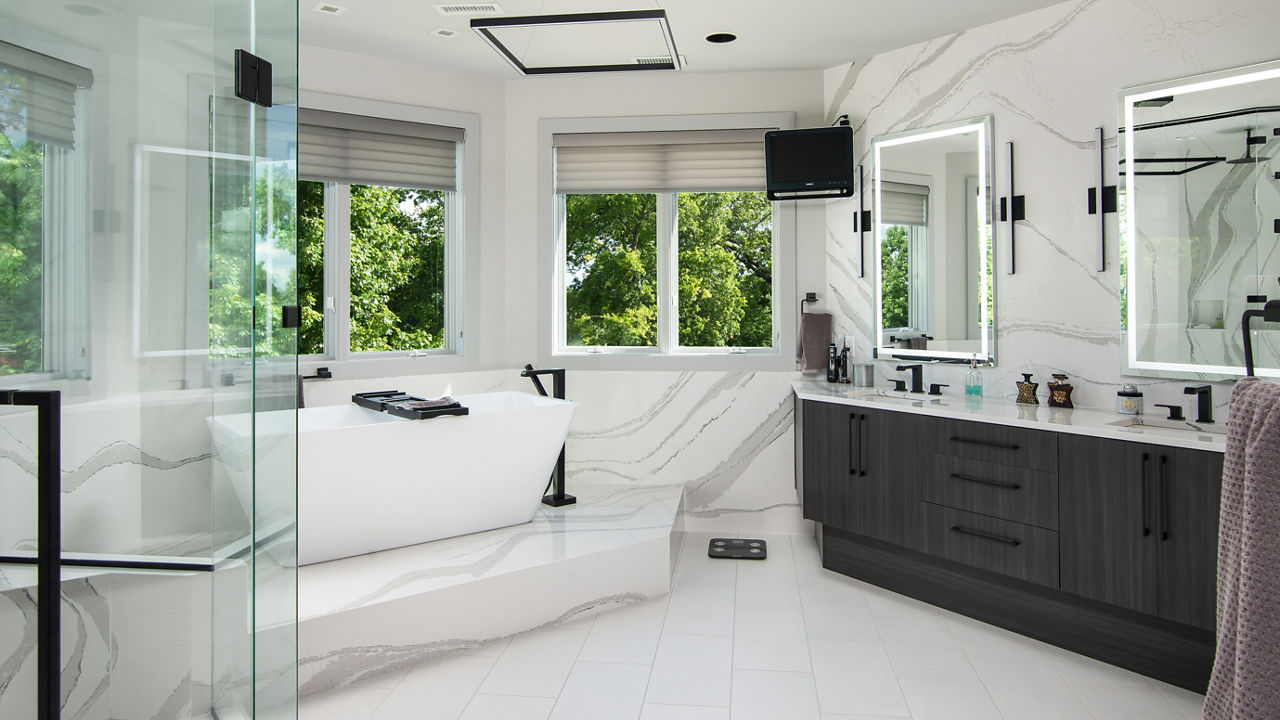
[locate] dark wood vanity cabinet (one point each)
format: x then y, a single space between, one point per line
860 468
1105 547
1140 526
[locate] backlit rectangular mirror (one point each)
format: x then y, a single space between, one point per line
1200 222
931 208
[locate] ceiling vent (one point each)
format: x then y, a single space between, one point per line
444 32
657 60
468 9
329 9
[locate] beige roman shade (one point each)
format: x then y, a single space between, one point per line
38 95
360 150
904 204
653 162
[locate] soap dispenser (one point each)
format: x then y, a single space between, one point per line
973 380
1027 390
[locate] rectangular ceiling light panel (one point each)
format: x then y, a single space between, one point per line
582 42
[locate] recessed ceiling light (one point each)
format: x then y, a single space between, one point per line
469 9
444 32
721 38
82 9
329 9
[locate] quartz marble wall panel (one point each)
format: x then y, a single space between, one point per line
1048 77
726 436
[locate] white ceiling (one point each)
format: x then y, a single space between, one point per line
772 34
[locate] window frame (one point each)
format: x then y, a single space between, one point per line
462 222
667 353
65 341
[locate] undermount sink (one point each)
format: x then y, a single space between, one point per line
1140 421
917 399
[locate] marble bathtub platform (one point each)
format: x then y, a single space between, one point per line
361 616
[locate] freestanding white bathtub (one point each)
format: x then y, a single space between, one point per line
371 481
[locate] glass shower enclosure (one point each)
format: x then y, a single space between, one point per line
148 483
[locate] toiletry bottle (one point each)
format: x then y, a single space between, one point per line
973 380
1129 400
833 374
1060 392
1027 390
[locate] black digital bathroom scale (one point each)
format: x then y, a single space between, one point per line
737 549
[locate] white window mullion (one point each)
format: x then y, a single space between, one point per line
668 277
337 269
453 340
559 299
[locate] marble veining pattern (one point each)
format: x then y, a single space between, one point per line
370 614
724 436
1048 77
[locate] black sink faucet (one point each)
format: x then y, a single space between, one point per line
917 376
1204 402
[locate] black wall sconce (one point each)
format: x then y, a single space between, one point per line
1108 204
861 221
1012 209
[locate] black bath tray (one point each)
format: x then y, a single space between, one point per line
389 401
424 413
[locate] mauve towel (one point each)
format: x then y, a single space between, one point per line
815 336
1246 671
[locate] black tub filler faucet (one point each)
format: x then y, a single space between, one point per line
558 497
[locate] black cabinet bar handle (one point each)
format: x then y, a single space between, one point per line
986 481
984 443
1164 500
855 456
1146 527
985 535
862 445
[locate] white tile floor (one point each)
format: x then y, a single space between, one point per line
781 639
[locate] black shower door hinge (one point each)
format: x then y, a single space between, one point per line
253 78
290 316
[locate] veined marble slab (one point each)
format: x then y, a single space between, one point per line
1001 411
374 613
1049 78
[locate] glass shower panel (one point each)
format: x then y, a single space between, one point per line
145 262
275 576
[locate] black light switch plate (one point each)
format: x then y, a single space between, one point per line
737 549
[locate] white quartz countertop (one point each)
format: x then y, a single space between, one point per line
1079 421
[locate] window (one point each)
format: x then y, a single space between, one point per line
378 209
668 243
903 282
904 257
42 269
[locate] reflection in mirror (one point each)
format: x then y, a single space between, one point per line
932 215
1198 210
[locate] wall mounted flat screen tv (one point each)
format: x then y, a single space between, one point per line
809 163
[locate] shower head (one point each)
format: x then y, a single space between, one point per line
1249 141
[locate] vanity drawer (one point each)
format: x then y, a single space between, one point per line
1003 491
1035 449
1009 548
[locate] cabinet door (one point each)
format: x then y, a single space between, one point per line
888 496
824 463
1190 487
1107 521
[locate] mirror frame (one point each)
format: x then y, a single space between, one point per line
983 124
1127 248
